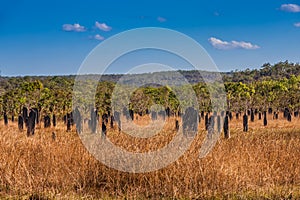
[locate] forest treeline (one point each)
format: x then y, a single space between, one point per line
273 86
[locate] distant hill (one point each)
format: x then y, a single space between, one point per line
277 71
267 71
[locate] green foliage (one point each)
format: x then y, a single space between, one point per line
276 86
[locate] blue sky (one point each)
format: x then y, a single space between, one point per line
54 37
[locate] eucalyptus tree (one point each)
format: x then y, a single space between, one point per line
240 96
203 97
140 101
60 91
293 96
103 96
271 94
31 90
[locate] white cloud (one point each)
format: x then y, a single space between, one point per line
219 44
297 24
102 26
161 19
75 28
98 37
244 45
224 45
290 7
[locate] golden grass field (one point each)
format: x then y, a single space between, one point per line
261 164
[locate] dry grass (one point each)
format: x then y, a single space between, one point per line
260 164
